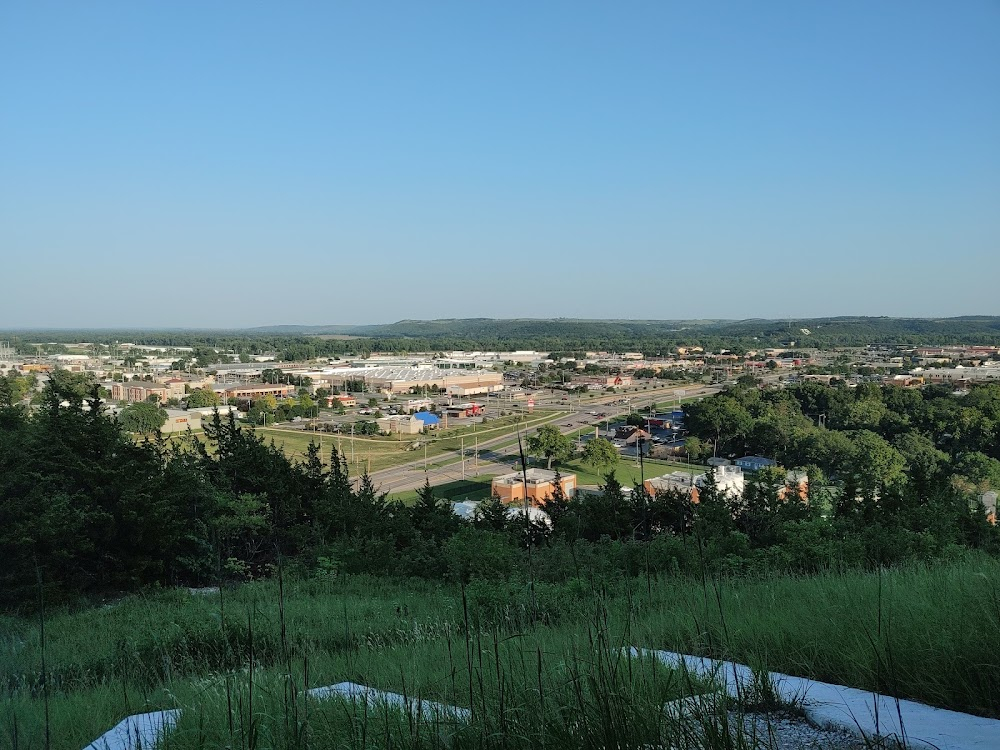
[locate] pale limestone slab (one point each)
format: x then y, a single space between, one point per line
137 732
859 711
375 698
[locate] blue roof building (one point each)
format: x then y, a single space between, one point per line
429 419
752 463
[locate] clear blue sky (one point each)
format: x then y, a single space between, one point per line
238 163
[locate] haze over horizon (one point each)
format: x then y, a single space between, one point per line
230 166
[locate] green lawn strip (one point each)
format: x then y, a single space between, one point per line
474 488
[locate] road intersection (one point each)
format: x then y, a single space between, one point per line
499 455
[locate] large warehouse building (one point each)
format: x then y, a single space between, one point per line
457 382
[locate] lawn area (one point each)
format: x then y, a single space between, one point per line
377 453
626 471
475 488
921 632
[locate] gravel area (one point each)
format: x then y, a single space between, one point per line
789 732
775 730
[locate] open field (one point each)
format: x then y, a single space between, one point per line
237 663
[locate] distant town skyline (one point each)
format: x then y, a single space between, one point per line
233 166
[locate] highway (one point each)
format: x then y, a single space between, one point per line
499 455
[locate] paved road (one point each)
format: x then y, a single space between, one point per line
496 456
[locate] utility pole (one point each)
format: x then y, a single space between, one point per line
463 457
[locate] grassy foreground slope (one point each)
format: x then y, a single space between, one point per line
237 664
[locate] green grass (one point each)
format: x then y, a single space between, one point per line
626 471
476 488
925 633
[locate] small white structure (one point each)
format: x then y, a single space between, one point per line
138 731
375 699
988 504
534 514
729 479
467 510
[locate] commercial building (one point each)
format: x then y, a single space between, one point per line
402 379
632 434
539 485
179 420
253 391
959 374
416 404
343 399
678 480
729 480
603 381
139 390
478 388
460 411
431 421
400 424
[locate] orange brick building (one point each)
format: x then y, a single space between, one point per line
511 488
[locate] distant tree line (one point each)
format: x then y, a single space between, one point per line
563 336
